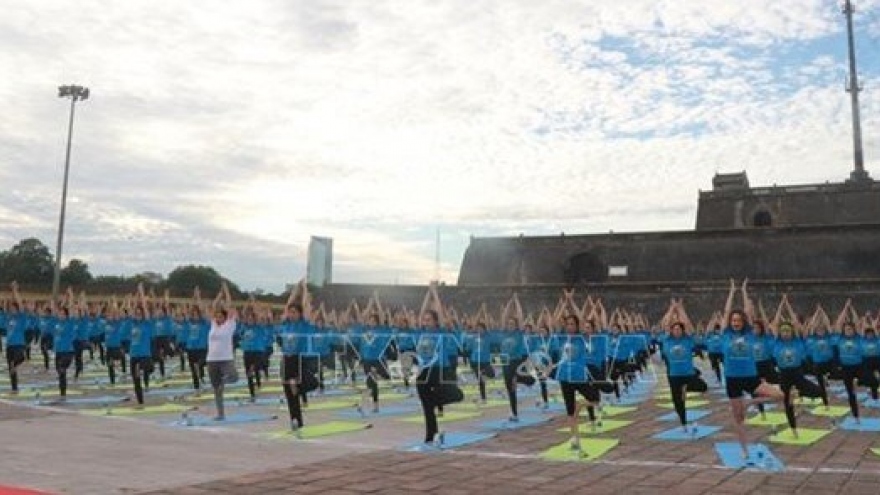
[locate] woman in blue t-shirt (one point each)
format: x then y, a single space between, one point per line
678 353
789 356
850 351
741 374
571 372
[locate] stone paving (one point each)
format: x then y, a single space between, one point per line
62 449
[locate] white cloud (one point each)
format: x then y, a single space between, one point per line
226 133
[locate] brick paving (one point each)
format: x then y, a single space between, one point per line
174 461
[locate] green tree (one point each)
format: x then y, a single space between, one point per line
76 273
183 279
29 262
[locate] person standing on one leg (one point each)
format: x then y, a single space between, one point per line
221 355
789 354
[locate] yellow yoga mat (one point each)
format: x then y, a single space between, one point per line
591 449
320 430
772 419
689 404
607 425
447 416
806 436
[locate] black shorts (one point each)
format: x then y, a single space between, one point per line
586 390
378 368
115 354
15 354
484 369
737 387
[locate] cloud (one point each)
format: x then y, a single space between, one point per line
227 133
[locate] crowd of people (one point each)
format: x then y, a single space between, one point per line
588 350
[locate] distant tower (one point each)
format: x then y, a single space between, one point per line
319 269
853 88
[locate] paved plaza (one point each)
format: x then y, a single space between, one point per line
78 447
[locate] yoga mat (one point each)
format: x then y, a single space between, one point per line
447 417
760 457
806 436
320 430
524 422
876 451
667 396
328 405
772 419
478 405
871 404
383 412
131 411
609 411
832 411
690 403
231 419
451 440
694 433
691 415
227 396
169 392
32 394
606 426
867 424
74 401
591 449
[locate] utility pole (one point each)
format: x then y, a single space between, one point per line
853 88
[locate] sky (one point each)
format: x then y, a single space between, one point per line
226 133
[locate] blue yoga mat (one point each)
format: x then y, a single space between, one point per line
174 391
231 419
760 457
871 404
692 415
452 440
524 422
631 400
73 401
383 412
866 424
860 396
693 433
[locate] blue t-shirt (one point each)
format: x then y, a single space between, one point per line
572 366
16 324
513 346
714 342
850 349
197 338
141 339
430 350
870 346
764 347
679 354
597 350
477 346
64 335
181 331
739 354
373 343
163 326
252 336
820 348
790 353
113 333
295 337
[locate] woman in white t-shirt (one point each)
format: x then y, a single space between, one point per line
221 355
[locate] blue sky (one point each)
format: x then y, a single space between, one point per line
226 133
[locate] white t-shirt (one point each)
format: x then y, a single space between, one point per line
220 341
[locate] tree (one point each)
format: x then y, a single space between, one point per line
183 279
29 262
76 273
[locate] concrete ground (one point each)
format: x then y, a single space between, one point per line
78 449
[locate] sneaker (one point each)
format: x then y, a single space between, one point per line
439 439
513 419
294 427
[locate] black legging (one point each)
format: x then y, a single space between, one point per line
482 371
678 387
63 361
850 374
794 377
15 355
716 359
140 370
252 363
872 368
821 371
302 370
511 375
196 359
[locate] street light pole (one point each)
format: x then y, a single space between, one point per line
75 93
